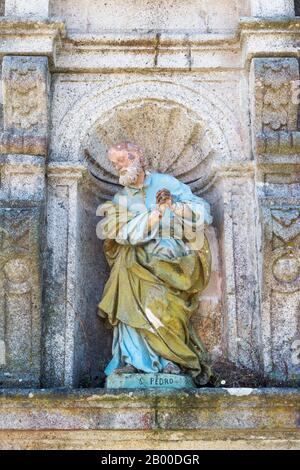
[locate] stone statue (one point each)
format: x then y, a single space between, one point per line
156 277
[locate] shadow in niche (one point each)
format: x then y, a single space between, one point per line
92 338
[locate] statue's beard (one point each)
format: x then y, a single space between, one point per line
131 175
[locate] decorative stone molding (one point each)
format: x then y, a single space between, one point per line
148 51
285 144
266 37
20 142
235 418
274 108
22 178
25 96
167 51
38 37
66 172
274 94
284 265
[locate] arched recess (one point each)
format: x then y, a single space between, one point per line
171 121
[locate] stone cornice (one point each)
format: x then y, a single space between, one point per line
150 50
268 37
282 24
18 25
183 51
19 36
66 171
236 170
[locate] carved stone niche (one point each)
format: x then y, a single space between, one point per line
25 102
20 302
175 140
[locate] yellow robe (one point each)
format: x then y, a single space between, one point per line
157 295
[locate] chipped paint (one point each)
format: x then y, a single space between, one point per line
239 392
153 319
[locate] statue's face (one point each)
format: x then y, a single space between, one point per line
121 159
128 166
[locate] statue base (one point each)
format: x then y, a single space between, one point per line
138 381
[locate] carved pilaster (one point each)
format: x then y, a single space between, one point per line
25 104
274 95
281 284
21 233
20 300
240 272
60 285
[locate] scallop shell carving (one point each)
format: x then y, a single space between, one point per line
172 137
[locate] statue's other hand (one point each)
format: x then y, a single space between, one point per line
163 196
163 200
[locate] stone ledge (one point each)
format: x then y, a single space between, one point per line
280 23
150 419
147 440
240 408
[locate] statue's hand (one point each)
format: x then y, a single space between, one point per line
163 199
163 196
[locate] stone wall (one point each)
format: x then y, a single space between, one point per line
210 91
128 15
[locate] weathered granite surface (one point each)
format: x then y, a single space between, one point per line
150 419
212 97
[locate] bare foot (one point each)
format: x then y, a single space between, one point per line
128 369
172 369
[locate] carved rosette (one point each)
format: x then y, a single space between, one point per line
285 258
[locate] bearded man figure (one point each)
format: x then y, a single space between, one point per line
156 276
